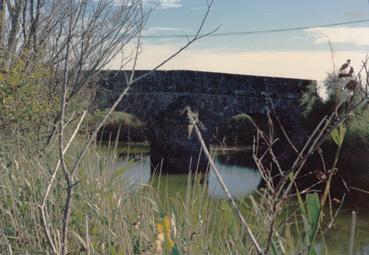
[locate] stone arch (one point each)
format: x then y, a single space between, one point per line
214 97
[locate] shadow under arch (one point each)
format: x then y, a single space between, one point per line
124 127
236 136
238 130
233 138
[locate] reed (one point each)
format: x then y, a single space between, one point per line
109 217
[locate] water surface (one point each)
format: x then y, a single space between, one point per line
241 179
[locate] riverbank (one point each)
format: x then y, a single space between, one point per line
108 217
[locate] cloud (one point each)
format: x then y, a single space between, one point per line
166 4
164 29
358 36
294 64
356 14
149 31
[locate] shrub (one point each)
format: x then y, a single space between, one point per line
23 102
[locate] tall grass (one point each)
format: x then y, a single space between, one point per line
109 218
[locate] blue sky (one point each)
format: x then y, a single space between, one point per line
305 53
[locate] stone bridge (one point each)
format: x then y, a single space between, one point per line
161 100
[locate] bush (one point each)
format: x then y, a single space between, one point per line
354 158
356 146
23 102
130 128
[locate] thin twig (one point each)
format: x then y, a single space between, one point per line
44 221
224 186
352 233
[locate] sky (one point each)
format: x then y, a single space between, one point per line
303 53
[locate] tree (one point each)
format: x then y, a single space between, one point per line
73 39
85 37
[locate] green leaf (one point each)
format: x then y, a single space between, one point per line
338 134
313 209
313 212
175 250
274 248
303 211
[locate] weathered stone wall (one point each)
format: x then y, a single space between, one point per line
215 96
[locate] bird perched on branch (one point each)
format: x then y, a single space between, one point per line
346 70
345 65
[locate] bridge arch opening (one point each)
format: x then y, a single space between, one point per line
238 130
233 138
124 127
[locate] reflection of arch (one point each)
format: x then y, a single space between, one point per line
242 158
129 127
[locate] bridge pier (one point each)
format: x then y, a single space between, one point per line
175 148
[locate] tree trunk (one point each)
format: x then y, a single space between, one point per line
14 12
2 23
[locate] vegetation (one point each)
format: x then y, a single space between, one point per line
353 161
24 106
60 194
108 218
120 125
237 130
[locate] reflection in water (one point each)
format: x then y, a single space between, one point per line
239 180
241 158
137 174
238 172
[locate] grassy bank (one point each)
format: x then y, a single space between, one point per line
108 218
127 127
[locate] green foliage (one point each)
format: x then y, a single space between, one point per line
313 214
310 100
338 134
335 88
353 161
23 102
315 107
116 118
355 149
129 127
359 127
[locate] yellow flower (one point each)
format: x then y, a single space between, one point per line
164 234
159 228
167 232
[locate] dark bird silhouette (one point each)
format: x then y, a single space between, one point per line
343 72
345 65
